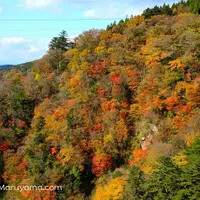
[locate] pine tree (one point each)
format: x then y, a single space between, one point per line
194 6
61 42
163 183
134 188
58 46
190 178
166 9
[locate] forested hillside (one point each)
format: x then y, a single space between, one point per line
5 67
113 116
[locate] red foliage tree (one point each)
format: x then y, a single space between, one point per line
98 68
54 151
97 127
21 166
116 79
4 146
100 92
11 122
171 102
100 164
112 106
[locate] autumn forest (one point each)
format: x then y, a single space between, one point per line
113 115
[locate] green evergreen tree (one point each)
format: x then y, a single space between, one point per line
166 9
190 178
58 46
61 42
163 183
194 6
134 188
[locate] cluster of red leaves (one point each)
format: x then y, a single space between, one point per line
112 106
97 127
21 166
54 151
21 124
171 102
124 104
108 106
57 114
11 122
4 146
122 114
100 164
116 79
178 122
50 76
98 68
100 92
186 109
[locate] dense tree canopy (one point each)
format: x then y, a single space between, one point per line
115 117
194 6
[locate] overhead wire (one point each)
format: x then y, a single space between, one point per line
48 20
56 19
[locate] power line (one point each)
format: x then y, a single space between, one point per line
33 29
28 35
55 29
67 19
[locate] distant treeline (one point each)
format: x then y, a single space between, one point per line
192 6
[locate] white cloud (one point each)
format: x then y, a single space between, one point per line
116 9
38 4
90 13
14 50
11 40
110 11
33 49
137 10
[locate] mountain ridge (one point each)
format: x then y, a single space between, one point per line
115 117
5 66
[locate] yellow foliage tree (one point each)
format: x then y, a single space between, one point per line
121 130
176 64
137 20
112 191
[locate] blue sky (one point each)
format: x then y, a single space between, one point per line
22 41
